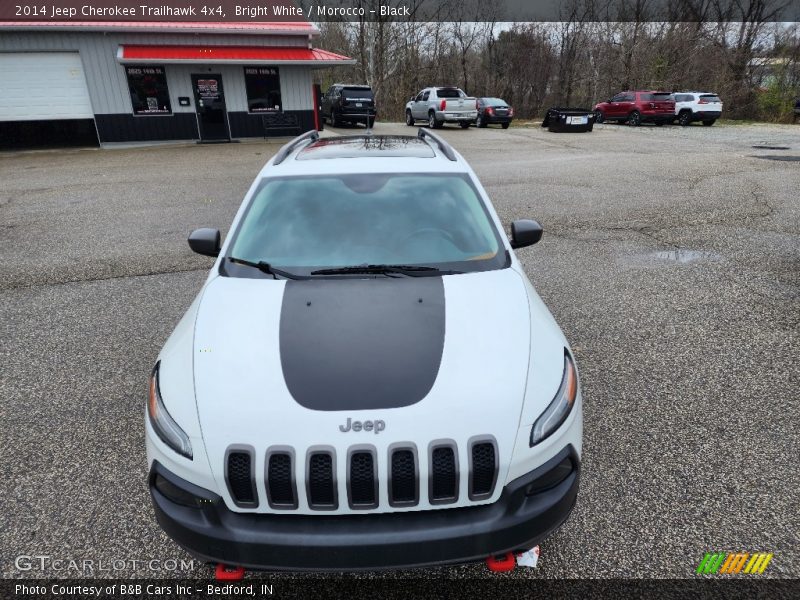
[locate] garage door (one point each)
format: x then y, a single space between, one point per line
43 86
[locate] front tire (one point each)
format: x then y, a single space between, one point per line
709 123
598 116
409 118
480 123
334 121
635 119
685 118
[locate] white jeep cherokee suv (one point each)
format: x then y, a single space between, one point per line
697 106
367 379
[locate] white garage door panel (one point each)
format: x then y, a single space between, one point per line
42 86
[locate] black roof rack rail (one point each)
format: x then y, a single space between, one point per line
312 135
446 148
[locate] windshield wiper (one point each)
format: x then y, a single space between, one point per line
407 270
265 267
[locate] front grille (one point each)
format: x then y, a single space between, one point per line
321 484
280 480
443 475
316 478
362 480
483 469
403 479
239 475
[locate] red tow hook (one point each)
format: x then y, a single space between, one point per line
228 573
502 563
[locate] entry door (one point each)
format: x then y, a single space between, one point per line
209 98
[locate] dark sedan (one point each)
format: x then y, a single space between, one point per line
494 110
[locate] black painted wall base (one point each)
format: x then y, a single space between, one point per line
245 124
47 134
129 128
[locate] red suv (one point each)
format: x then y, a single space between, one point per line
636 108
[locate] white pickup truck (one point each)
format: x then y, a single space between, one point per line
440 105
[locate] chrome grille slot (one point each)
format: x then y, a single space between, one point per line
321 480
240 477
280 482
403 477
482 468
443 484
362 478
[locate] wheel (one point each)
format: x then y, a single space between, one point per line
370 123
505 125
432 122
635 118
334 121
409 118
685 118
465 124
709 123
479 122
598 116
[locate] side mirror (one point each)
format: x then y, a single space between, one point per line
205 241
525 232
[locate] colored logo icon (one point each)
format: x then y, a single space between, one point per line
734 563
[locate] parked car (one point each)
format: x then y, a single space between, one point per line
697 106
637 107
312 412
349 103
440 105
494 110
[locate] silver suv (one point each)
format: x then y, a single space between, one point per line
440 105
697 106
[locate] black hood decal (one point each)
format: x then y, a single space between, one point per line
358 344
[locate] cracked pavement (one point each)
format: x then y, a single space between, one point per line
670 258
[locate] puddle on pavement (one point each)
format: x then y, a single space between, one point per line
780 158
770 147
684 256
677 256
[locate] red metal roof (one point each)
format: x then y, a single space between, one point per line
233 54
250 27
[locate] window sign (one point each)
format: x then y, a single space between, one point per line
148 89
263 86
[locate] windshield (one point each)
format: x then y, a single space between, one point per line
311 223
494 102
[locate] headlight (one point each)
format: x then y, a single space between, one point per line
559 408
163 424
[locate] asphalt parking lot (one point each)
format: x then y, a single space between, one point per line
671 260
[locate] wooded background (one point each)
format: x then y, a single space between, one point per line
732 48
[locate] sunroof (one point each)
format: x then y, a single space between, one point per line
360 146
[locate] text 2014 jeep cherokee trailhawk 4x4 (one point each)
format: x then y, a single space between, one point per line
367 379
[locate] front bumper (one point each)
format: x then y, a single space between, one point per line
213 533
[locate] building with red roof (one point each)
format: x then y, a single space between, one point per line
126 81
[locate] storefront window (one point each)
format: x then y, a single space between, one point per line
263 89
149 92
